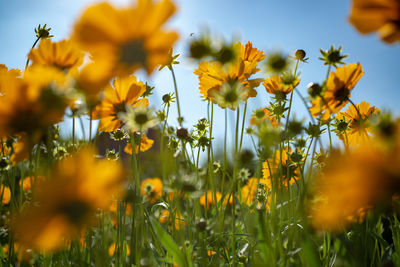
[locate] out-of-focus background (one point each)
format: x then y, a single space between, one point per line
270 25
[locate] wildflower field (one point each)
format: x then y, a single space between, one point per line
147 188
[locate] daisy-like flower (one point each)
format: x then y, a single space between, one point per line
124 93
129 39
337 93
382 16
138 118
212 74
67 202
145 144
151 188
271 167
358 123
63 55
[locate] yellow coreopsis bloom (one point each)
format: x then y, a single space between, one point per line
358 118
377 15
337 93
126 39
6 75
68 200
125 91
212 74
151 188
63 55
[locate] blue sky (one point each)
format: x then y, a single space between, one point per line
271 25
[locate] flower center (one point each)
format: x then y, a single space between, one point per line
133 52
342 95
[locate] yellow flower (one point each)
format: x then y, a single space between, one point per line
151 188
129 38
145 144
249 191
377 15
359 128
212 74
271 167
6 74
166 216
68 200
62 55
5 194
337 93
351 183
125 91
214 199
275 85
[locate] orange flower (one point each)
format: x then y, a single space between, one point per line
151 188
145 144
129 39
337 93
377 15
125 91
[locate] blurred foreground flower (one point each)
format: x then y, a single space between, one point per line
124 40
352 183
67 201
377 15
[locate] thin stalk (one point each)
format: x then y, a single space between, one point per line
291 98
243 123
73 129
177 97
33 46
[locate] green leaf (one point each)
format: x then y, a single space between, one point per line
169 244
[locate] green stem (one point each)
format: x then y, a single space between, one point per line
180 118
33 46
243 123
